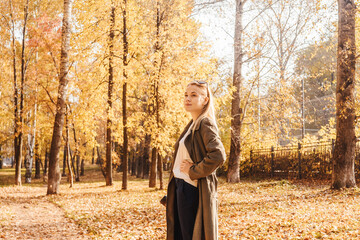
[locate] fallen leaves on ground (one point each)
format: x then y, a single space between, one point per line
247 210
283 210
110 213
27 214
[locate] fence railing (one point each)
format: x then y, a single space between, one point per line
301 161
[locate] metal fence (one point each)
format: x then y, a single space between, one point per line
301 161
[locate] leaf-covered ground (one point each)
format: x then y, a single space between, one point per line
248 210
26 213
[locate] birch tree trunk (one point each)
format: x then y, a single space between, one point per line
54 169
233 174
29 157
32 145
344 152
21 113
31 148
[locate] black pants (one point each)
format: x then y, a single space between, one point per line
186 202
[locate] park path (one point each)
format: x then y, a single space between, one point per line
27 213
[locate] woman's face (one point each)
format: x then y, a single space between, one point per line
194 101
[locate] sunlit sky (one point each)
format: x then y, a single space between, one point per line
217 27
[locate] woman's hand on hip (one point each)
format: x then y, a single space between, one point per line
185 166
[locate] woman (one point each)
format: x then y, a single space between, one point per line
191 207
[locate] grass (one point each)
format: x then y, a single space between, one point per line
247 210
7 176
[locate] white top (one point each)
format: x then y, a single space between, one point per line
183 155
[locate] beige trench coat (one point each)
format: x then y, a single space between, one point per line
208 153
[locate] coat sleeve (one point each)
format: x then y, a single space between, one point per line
215 152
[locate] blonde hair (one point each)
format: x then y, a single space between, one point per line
209 109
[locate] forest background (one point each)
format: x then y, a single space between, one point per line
130 62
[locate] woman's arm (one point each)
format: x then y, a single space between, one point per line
215 152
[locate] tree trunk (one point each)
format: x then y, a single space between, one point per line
1 160
155 103
70 172
46 162
82 169
37 161
23 72
146 156
20 123
76 158
17 156
72 158
118 149
64 161
109 178
29 159
31 148
82 164
101 162
133 163
130 154
46 166
125 63
233 174
129 164
67 155
344 152
139 161
160 170
77 178
136 159
93 156
152 179
54 169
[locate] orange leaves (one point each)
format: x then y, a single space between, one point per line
45 31
108 213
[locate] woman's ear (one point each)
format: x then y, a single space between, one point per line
206 100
